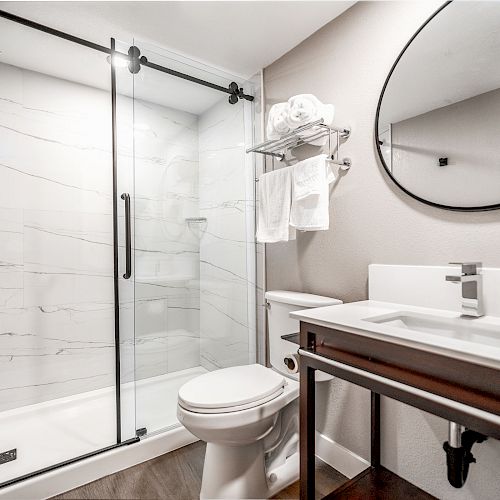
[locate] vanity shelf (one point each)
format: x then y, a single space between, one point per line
292 337
277 148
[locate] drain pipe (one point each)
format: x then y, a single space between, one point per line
458 452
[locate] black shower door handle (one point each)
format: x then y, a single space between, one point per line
128 238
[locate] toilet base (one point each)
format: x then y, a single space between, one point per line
240 472
234 472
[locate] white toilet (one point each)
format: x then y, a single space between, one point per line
248 415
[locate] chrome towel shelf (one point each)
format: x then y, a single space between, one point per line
277 148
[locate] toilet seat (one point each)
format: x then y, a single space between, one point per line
231 389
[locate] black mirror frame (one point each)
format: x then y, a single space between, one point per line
377 143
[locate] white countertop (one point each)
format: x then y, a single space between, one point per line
352 318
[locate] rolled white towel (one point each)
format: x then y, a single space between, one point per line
277 121
306 108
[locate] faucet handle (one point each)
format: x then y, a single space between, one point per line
468 268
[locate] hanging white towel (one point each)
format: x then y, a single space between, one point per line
308 177
275 198
311 179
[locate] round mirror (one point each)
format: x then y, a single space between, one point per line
438 118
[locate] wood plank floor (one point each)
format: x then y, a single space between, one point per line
327 480
177 476
173 476
378 483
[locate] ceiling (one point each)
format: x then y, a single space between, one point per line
239 37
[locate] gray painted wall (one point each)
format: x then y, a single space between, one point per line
346 63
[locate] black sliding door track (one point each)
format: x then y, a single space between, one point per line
39 472
52 31
231 90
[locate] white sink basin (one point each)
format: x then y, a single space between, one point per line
461 328
434 330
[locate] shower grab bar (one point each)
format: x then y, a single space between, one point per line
128 238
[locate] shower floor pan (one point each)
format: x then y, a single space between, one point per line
54 431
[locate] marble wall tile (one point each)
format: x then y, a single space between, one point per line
52 353
226 198
166 248
56 254
56 152
11 258
222 127
56 251
167 328
189 301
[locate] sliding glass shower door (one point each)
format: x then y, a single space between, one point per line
58 390
193 247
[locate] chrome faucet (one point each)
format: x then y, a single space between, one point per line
472 288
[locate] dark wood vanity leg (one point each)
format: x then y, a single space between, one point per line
307 430
375 429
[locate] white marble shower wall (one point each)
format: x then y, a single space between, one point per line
56 252
166 245
227 303
56 246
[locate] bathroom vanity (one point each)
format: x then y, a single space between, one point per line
431 358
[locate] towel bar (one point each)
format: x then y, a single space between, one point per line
277 148
345 164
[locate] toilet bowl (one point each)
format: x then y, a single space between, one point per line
235 435
248 415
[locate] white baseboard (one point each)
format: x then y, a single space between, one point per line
338 457
79 473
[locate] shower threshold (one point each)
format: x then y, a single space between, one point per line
54 431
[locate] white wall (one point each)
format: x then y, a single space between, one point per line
346 63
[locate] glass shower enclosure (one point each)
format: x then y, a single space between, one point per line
192 224
127 258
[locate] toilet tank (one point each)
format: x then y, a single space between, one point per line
280 304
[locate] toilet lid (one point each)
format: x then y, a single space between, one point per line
231 389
